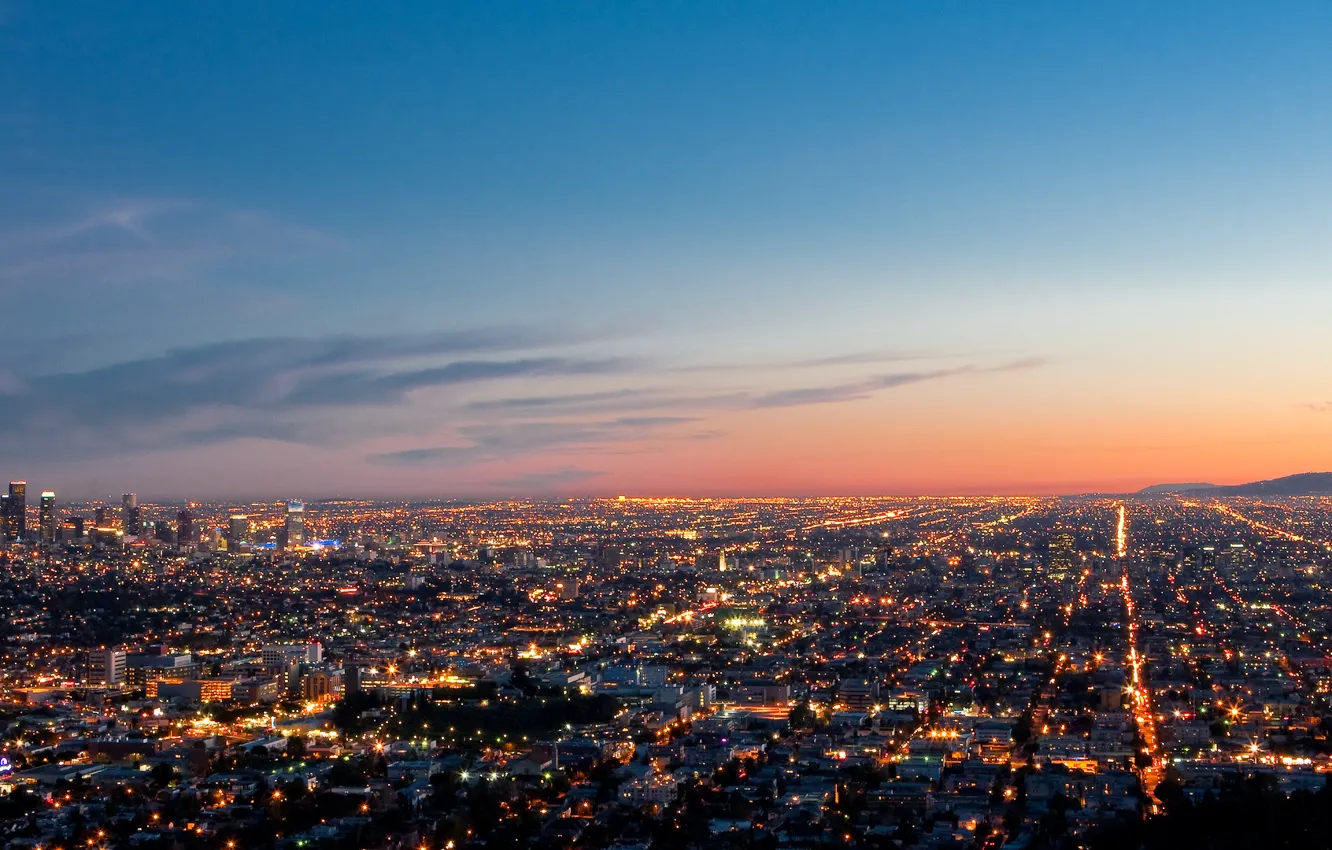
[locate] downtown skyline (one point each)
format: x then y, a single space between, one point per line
553 249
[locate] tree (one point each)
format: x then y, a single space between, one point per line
1022 729
1171 793
802 717
163 774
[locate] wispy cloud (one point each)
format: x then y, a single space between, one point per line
147 240
258 387
365 388
1318 406
866 387
850 358
514 439
346 390
547 482
503 440
556 401
630 399
849 391
858 358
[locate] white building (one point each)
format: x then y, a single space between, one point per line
106 667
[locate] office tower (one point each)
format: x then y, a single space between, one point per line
238 529
1235 555
1062 546
130 518
351 678
16 511
72 529
858 694
101 518
285 662
46 518
106 667
1209 557
282 655
161 531
186 536
295 524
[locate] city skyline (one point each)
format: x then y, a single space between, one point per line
552 249
84 500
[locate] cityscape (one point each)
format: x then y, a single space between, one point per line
624 672
666 425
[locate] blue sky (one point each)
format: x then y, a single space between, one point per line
660 215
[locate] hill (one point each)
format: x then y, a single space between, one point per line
1302 484
1174 488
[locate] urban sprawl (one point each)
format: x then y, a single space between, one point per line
666 673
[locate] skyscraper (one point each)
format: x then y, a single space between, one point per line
16 511
1062 551
73 529
238 530
106 667
295 524
130 519
46 518
186 536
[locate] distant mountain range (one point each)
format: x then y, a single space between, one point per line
1174 488
1303 484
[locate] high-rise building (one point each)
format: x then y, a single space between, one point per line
351 677
611 556
16 511
46 518
106 667
238 531
321 686
295 524
72 529
161 531
858 694
281 655
1062 550
130 518
186 536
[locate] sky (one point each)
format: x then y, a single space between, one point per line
474 250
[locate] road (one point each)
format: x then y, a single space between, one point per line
1139 691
